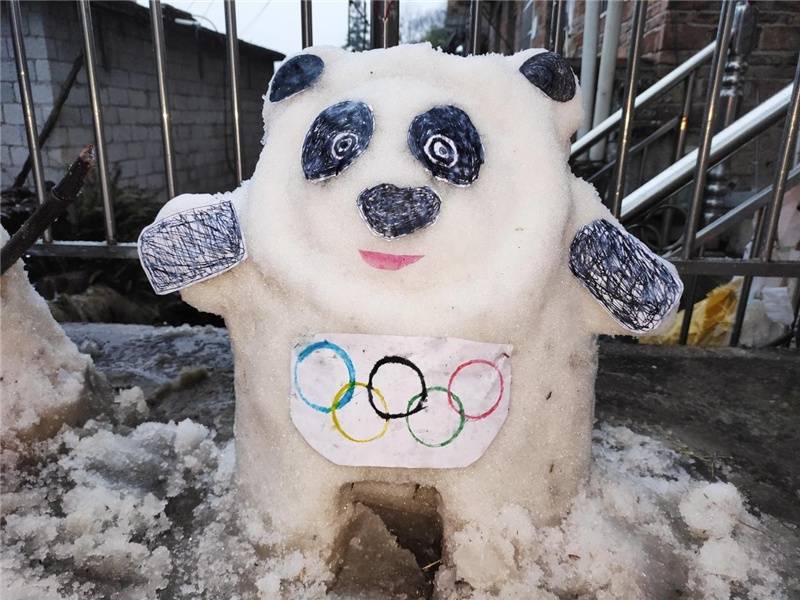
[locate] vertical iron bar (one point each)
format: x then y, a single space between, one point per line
556 40
744 292
709 118
626 123
384 23
683 124
784 164
157 20
232 42
28 110
85 13
306 24
680 147
474 26
605 74
591 24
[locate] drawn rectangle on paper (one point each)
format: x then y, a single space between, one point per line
191 246
356 398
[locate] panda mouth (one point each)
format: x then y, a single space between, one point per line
388 262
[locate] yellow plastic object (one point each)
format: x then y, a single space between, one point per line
712 319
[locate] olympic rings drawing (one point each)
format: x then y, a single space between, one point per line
461 367
351 373
336 404
455 434
416 403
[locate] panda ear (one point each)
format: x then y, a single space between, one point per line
295 75
553 76
550 73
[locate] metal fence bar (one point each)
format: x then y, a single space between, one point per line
664 84
232 44
556 41
384 23
85 249
306 24
725 267
743 210
768 217
157 21
724 143
474 26
709 119
626 123
786 156
28 111
85 14
686 109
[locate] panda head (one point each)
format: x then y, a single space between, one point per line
407 169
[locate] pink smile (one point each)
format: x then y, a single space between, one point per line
388 262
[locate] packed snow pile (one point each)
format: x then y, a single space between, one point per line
113 511
45 379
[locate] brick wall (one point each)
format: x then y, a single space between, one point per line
198 87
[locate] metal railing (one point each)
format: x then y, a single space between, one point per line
692 167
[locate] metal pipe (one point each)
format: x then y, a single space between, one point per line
784 163
626 124
605 77
743 210
384 23
591 21
474 26
747 283
724 143
85 14
306 24
556 41
28 111
664 84
717 189
157 20
725 267
686 109
232 42
709 119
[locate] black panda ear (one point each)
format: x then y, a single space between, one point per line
550 73
295 75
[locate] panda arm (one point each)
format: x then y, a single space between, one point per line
194 246
627 289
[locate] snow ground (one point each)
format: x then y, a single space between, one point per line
126 507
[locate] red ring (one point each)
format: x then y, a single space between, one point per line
475 361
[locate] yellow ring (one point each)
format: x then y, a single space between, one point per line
338 397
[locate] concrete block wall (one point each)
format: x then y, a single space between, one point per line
198 93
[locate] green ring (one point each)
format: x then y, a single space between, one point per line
438 388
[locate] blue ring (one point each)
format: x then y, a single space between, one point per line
351 373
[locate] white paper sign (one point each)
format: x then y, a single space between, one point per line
393 401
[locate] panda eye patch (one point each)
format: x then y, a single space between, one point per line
446 142
337 137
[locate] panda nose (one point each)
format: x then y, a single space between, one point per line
392 211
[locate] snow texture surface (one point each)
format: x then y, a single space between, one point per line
44 379
150 511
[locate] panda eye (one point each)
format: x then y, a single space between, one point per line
446 142
343 143
336 138
441 150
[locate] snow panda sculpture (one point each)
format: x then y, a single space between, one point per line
413 281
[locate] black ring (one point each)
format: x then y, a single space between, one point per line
398 360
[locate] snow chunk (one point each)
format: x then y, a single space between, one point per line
44 377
